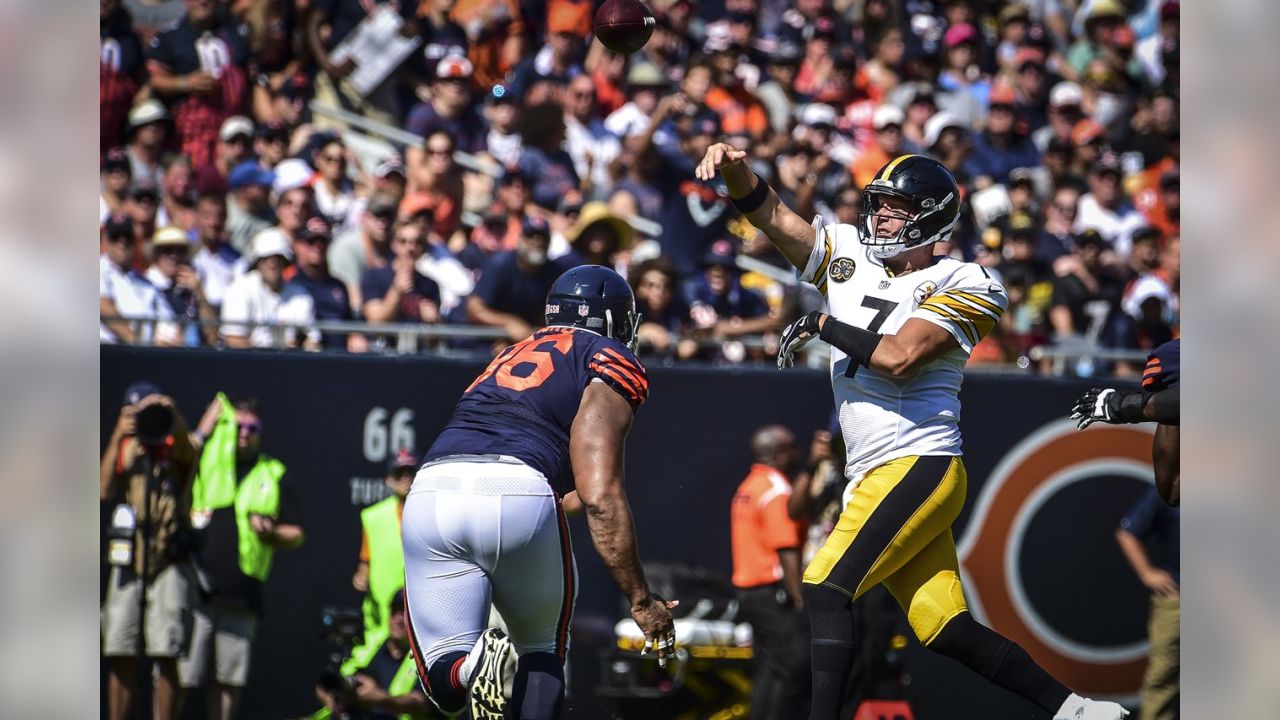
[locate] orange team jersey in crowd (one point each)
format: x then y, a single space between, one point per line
740 112
364 536
1144 188
570 16
869 162
486 56
760 527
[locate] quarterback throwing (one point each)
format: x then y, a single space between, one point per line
901 323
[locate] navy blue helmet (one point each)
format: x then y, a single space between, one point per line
594 298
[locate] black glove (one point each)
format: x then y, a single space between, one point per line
794 337
1109 405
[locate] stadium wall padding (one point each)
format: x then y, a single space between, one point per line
1045 569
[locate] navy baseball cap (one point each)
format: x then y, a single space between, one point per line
705 122
118 225
115 159
403 458
534 225
721 253
139 390
250 173
512 173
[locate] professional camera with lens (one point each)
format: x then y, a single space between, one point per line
154 422
344 628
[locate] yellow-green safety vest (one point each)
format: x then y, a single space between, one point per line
215 488
386 561
402 684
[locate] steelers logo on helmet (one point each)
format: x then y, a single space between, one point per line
930 195
842 269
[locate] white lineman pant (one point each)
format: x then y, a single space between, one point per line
486 530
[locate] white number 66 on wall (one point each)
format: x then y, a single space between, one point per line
377 444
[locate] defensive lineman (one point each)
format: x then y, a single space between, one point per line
907 321
483 519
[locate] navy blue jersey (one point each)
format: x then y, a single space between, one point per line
1163 367
524 403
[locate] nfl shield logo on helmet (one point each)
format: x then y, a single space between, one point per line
583 310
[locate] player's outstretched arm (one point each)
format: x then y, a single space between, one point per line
792 234
596 452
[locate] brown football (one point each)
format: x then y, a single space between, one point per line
624 26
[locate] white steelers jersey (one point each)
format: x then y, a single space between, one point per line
882 418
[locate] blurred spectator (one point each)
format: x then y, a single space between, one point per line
1030 88
248 211
441 38
512 291
795 178
1058 160
148 136
245 510
332 89
597 236
1023 191
389 178
1152 524
178 282
1018 256
947 138
218 263
542 160
720 307
120 72
397 292
778 92
663 312
502 113
259 298
740 111
142 208
880 74
335 192
277 50
270 142
636 194
495 36
1089 141
368 246
152 16
920 105
1056 238
1087 297
293 207
885 145
846 205
1064 113
695 211
235 143
124 293
329 298
289 104
435 193
767 573
542 76
645 84
1102 18
198 67
1001 146
114 185
607 70
450 110
592 147
1154 52
964 86
1149 299
1105 209
147 468
178 195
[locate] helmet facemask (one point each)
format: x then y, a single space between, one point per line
915 230
627 327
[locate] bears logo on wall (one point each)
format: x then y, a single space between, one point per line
1053 581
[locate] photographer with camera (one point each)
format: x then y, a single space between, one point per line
384 685
244 511
147 469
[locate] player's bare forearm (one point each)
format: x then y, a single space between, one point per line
791 234
1164 456
1164 406
596 453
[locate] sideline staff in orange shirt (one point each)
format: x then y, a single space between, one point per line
767 573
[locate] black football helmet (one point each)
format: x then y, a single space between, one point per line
594 298
934 197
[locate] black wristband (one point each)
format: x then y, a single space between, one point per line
855 342
754 199
1131 407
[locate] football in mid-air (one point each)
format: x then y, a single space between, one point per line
624 26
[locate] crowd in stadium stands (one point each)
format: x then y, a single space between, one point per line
1059 119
